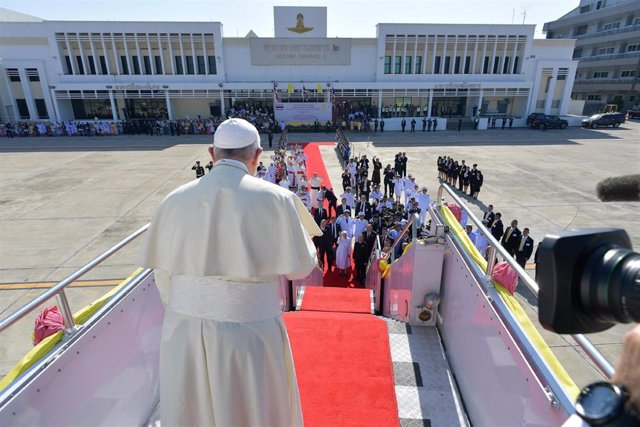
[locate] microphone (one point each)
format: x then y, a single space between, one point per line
619 189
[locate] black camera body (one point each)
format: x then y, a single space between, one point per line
589 280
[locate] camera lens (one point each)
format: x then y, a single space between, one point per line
610 285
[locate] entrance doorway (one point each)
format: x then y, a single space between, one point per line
449 106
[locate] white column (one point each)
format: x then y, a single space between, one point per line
513 56
568 86
493 56
84 62
552 89
116 57
54 103
393 60
126 52
435 49
424 57
184 62
193 55
443 58
223 110
104 51
204 53
161 53
504 55
480 101
72 58
453 57
139 53
430 102
168 101
152 60
379 103
96 61
463 60
114 106
172 60
28 96
415 57
475 56
404 54
484 55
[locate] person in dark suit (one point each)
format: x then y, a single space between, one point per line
363 207
429 123
343 207
369 238
413 125
403 124
524 248
497 229
360 259
403 164
511 238
435 124
389 174
375 125
320 214
325 245
489 215
270 136
381 125
375 175
331 199
424 124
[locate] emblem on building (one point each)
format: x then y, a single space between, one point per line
300 28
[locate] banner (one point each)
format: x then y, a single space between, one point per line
300 22
281 51
305 112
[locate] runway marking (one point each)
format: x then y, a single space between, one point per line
47 285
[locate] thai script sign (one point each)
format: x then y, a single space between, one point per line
303 112
282 51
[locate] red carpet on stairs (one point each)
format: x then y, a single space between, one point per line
344 369
336 300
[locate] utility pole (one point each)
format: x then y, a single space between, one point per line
524 15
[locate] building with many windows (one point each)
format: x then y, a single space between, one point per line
607 34
63 70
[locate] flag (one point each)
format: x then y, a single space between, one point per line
276 94
305 94
333 94
319 89
290 87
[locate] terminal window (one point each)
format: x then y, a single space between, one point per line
633 48
67 62
398 65
387 64
23 110
418 65
92 65
179 67
103 65
212 64
41 106
125 64
79 64
201 69
147 64
158 62
407 64
190 69
136 64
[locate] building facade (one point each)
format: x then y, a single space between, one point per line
607 34
65 70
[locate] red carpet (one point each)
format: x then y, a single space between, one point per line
336 300
344 369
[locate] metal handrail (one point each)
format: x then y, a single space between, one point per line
58 288
409 223
594 354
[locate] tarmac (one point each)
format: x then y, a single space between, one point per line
63 201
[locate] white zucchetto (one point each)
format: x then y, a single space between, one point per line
235 133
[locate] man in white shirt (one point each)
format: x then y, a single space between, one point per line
480 240
351 200
315 182
222 290
424 200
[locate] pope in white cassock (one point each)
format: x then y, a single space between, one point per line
225 358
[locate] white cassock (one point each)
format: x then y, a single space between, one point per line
480 242
225 358
315 189
398 183
424 200
343 253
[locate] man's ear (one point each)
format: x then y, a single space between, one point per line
210 150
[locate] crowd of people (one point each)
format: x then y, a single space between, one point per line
257 114
469 180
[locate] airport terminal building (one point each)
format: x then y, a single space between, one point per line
75 70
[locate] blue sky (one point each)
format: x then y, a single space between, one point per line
346 18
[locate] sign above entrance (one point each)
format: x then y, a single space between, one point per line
297 22
458 86
300 52
133 86
303 112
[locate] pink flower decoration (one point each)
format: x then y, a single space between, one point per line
47 323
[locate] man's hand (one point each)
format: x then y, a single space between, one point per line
628 366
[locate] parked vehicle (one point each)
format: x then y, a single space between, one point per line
607 119
534 120
634 113
554 122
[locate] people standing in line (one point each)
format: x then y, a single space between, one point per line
524 248
477 180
